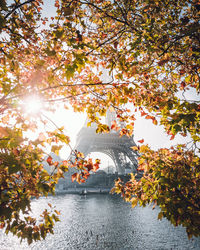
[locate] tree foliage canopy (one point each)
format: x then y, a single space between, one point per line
151 50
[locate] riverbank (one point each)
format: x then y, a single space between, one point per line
84 191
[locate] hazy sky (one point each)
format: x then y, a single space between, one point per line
153 135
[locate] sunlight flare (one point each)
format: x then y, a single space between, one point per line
33 105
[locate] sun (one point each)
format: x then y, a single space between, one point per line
33 105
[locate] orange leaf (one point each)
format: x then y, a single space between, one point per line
65 163
148 117
58 213
141 141
74 176
96 166
155 121
56 163
143 113
172 137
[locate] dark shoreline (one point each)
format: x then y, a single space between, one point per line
84 191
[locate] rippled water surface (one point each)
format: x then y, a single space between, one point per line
104 222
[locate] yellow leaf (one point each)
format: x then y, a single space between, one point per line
144 148
135 148
134 202
56 149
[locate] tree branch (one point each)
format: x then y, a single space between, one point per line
17 7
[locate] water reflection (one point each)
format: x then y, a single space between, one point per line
104 222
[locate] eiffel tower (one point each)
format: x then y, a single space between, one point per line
116 147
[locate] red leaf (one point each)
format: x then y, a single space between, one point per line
49 160
143 113
182 72
183 85
89 166
141 141
115 44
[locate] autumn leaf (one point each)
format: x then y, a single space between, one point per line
134 202
82 181
56 149
16 152
89 166
155 122
143 113
56 163
49 160
49 204
115 44
172 137
57 212
3 132
95 167
74 176
135 148
148 117
65 163
141 141
2 225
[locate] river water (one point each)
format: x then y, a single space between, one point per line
104 222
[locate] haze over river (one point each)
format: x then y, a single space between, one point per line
104 222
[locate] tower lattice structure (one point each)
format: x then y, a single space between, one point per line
116 147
